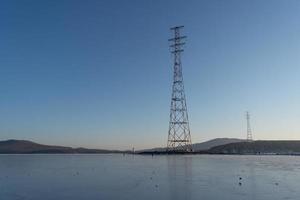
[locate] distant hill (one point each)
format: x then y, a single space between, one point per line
259 147
215 146
201 146
23 147
215 142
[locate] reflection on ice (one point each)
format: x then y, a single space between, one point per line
179 177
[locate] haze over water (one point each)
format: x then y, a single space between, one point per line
191 177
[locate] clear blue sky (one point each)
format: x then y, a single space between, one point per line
98 73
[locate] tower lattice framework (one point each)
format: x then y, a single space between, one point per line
249 131
179 136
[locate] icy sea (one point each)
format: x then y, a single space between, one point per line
117 176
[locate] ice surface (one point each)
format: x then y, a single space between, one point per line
201 177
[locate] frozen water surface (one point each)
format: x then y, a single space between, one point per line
199 177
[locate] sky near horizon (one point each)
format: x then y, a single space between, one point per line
98 73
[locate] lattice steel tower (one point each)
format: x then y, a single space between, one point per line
249 131
179 137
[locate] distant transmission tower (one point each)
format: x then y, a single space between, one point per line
249 131
179 137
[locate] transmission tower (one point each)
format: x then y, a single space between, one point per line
179 137
249 131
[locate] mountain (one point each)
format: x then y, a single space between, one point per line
259 147
200 146
24 147
215 146
214 142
